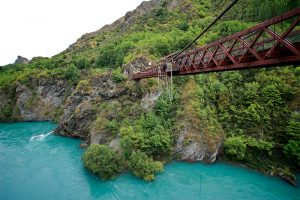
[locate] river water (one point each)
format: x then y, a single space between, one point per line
35 164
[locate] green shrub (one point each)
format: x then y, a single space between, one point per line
150 82
235 147
148 135
160 47
132 138
72 73
82 63
103 161
184 26
113 126
297 71
84 85
143 166
293 127
117 76
292 149
260 145
6 113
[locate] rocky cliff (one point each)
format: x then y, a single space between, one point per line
93 108
21 60
36 100
94 104
195 139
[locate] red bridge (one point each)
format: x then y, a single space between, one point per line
274 42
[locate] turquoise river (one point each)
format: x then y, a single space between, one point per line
36 165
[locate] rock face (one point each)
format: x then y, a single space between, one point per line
148 101
144 8
94 106
196 141
6 106
136 65
92 111
37 100
21 60
194 146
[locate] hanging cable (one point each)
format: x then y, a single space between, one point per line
207 28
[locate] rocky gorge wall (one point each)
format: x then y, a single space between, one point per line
37 100
91 110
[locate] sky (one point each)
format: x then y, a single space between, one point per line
32 28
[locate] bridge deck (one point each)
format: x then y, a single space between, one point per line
256 47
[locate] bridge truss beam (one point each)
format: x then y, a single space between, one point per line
274 42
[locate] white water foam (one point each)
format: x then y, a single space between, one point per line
40 137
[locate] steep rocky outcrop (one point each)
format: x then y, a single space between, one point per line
136 65
21 60
6 105
94 108
38 100
192 145
127 20
196 141
94 105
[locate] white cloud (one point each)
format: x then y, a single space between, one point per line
46 27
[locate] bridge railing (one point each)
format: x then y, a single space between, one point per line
270 43
256 46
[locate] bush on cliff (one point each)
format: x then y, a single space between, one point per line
292 150
72 73
103 161
235 147
148 135
144 167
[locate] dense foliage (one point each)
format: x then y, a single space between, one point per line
292 148
235 147
143 166
148 135
103 161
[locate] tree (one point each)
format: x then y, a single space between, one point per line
144 167
292 149
147 135
235 147
184 26
103 161
72 73
82 63
160 47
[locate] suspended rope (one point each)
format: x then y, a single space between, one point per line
207 28
158 78
169 83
